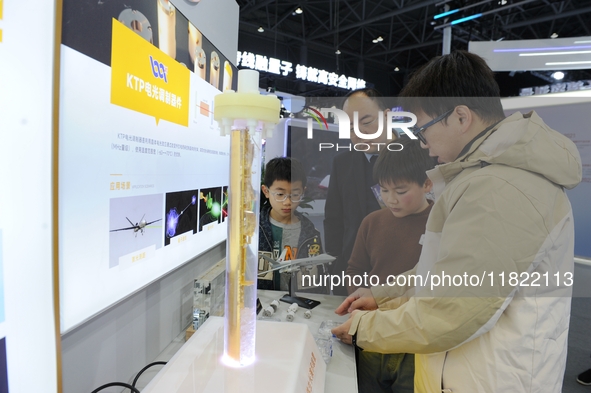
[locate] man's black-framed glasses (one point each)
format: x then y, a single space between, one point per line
418 131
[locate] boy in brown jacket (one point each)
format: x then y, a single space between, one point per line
388 243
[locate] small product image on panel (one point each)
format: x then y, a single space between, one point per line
200 62
214 70
227 76
224 203
180 214
135 228
210 207
195 41
167 27
137 22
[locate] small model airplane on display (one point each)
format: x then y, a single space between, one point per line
138 227
295 264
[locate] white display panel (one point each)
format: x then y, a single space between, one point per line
118 167
550 54
27 314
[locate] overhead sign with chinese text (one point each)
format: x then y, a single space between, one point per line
285 68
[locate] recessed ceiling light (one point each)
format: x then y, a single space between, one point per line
396 69
299 10
558 75
260 29
554 35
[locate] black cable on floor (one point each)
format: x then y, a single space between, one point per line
125 385
144 369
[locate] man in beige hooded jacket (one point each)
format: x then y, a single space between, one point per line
487 307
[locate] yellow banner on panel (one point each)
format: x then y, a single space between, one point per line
146 80
0 19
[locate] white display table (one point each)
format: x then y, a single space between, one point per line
195 367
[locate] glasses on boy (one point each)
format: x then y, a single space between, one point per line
281 196
418 131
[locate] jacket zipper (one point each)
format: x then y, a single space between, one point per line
443 389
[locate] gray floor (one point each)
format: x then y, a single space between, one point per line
579 346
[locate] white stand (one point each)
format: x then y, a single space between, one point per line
287 361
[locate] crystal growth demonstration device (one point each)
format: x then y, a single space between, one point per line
220 356
244 115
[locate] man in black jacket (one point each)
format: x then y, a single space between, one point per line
350 197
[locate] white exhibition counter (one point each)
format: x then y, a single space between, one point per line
197 367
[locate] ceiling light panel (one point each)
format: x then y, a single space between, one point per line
534 55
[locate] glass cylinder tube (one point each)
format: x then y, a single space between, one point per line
242 246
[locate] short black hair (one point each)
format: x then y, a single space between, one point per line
372 93
407 164
284 168
460 78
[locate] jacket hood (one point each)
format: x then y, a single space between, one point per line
522 141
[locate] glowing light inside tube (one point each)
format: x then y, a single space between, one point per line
229 362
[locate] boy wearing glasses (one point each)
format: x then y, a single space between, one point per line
282 229
479 314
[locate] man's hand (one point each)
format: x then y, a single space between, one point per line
342 331
361 299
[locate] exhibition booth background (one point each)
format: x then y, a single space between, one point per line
125 306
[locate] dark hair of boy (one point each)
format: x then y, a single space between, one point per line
477 88
409 164
284 168
371 93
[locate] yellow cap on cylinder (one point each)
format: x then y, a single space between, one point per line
247 107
